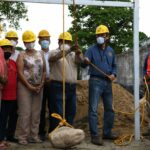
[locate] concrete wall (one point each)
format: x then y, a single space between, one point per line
125 67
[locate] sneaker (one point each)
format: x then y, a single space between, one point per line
96 140
23 142
110 136
12 139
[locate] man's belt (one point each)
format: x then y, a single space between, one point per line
99 77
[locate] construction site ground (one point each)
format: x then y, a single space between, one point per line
124 124
86 145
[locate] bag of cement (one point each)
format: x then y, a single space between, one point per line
65 137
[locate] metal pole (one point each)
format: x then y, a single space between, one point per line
136 69
81 2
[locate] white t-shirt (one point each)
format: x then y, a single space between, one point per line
14 55
57 67
46 56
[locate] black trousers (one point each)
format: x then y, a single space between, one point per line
8 119
45 103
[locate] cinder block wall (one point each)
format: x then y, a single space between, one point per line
125 66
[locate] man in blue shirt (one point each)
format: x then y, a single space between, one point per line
100 84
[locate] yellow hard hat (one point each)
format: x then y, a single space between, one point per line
44 33
5 42
65 36
28 36
11 34
102 29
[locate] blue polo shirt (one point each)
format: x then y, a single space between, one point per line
103 59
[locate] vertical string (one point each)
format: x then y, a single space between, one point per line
64 96
75 22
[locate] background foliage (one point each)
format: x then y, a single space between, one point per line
118 20
12 12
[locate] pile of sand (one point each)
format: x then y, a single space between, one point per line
122 101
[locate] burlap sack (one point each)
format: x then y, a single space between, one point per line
65 137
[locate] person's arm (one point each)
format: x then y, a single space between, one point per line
78 54
114 69
114 66
87 58
79 58
20 67
57 55
145 66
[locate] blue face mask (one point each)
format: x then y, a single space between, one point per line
45 44
100 40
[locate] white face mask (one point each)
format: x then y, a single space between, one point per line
30 45
100 40
45 44
14 43
65 47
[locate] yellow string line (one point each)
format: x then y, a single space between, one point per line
127 139
62 122
147 89
64 96
134 110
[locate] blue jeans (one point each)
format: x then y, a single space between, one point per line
56 102
100 88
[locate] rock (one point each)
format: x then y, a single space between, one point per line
65 137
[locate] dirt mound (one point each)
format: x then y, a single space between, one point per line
122 101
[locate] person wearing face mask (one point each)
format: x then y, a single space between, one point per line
31 74
72 58
13 37
44 41
146 74
100 85
8 111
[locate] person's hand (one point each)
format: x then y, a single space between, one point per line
76 49
147 77
40 87
3 80
86 61
33 88
112 77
